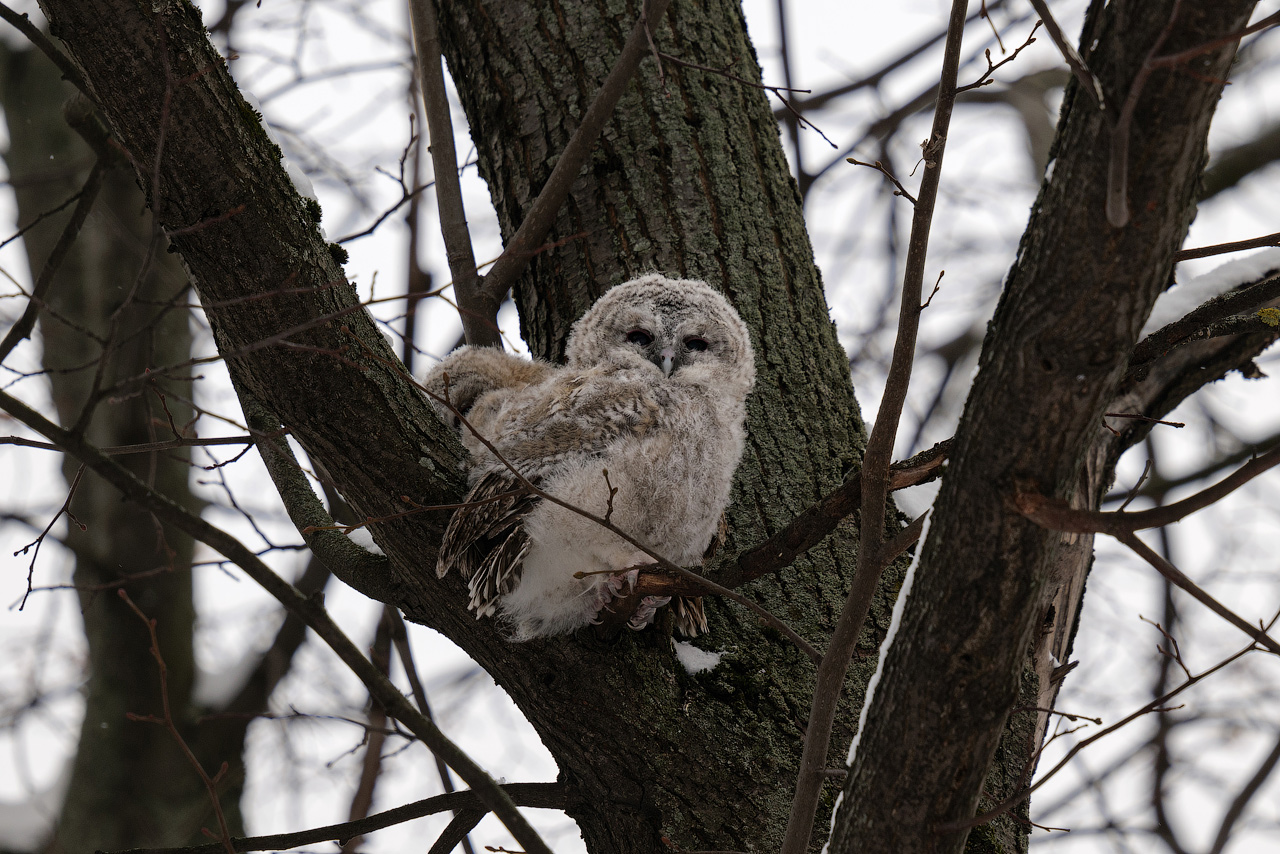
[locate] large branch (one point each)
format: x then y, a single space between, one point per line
283 315
1055 355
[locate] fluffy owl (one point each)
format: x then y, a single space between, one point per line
643 425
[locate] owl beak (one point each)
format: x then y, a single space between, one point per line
668 355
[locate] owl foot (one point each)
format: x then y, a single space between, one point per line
616 596
643 615
619 580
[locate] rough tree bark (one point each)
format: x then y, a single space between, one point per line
1053 362
689 179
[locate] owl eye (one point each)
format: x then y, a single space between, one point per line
640 337
693 342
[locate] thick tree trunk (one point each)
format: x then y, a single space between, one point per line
691 180
1053 362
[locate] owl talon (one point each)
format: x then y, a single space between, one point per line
616 581
649 606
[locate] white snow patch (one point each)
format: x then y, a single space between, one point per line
217 690
1048 170
915 501
834 809
362 538
896 620
1185 297
696 660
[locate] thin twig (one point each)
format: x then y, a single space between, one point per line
64 509
1224 248
400 636
142 448
210 783
880 167
985 78
1198 593
1156 704
876 462
799 119
375 735
88 193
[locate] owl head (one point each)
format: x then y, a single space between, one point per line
680 328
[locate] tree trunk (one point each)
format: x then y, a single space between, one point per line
690 179
1053 362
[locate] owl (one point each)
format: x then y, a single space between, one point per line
644 425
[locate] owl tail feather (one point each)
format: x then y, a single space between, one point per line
691 619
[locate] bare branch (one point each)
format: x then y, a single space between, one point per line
537 795
316 618
88 193
1198 593
1224 248
542 213
478 308
875 463
210 783
985 78
1156 704
1058 515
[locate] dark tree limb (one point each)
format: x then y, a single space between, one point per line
539 795
1049 369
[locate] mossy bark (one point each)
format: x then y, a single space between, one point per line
991 584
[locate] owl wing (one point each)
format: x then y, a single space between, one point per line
541 428
485 539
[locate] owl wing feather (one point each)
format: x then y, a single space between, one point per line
485 539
